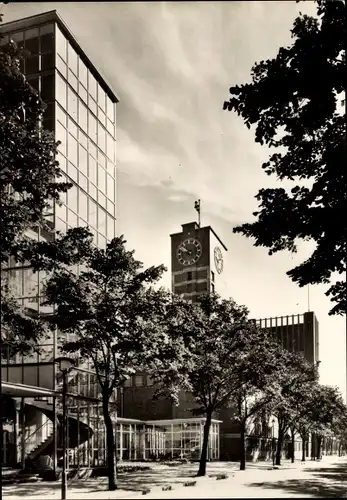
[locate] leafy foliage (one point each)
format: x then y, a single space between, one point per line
28 185
293 113
220 353
106 313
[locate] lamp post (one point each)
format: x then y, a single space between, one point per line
65 365
273 442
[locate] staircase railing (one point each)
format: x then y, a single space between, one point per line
35 438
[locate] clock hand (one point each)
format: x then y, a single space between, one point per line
183 249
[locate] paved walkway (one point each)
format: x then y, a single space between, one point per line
325 479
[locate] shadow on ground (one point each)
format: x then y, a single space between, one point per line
136 481
329 482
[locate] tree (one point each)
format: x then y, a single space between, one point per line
108 309
316 411
220 353
28 187
293 113
294 383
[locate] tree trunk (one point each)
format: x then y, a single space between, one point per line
313 446
319 446
279 445
203 456
243 446
293 444
112 478
303 459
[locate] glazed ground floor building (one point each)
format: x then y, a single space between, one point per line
32 432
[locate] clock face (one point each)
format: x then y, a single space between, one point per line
218 260
189 251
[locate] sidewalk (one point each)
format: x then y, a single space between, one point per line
131 485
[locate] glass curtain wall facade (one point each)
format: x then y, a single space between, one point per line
81 112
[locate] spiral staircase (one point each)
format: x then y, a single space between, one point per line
78 432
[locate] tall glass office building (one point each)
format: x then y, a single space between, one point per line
81 112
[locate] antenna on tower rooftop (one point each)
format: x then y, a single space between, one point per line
197 205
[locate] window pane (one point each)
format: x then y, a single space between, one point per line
72 59
92 127
83 116
73 80
110 227
102 117
72 149
101 221
92 85
61 66
110 147
72 103
110 208
83 205
47 42
110 187
83 73
72 128
110 109
101 242
83 93
110 168
61 91
61 136
101 138
61 43
93 106
102 199
83 160
61 115
62 163
101 98
110 127
72 219
92 213
60 225
92 191
101 159
83 139
92 149
101 179
32 65
72 197
92 169
83 182
47 87
47 61
32 41
73 174
30 283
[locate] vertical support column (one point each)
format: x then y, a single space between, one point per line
143 441
172 440
120 442
16 429
55 418
22 430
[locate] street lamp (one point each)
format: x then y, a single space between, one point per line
273 442
65 365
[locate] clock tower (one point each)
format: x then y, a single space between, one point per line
197 261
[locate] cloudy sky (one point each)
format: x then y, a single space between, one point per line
172 63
